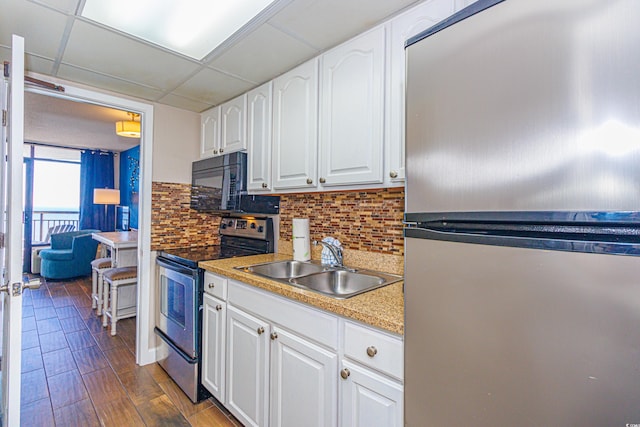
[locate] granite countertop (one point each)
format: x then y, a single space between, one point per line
382 308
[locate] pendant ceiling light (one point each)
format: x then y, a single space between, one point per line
129 128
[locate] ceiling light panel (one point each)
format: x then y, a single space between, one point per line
191 27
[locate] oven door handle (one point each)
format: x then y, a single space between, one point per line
177 349
176 267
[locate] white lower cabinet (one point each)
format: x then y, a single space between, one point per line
247 367
303 382
287 367
369 399
214 322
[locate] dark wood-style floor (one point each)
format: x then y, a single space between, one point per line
74 373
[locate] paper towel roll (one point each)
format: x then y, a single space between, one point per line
301 241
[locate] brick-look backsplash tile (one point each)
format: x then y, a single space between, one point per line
174 224
362 220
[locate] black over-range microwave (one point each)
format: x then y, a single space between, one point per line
219 184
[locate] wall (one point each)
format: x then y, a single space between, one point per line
176 144
130 183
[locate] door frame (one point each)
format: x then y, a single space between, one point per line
145 341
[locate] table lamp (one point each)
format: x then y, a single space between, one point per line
106 197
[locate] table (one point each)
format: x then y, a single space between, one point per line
123 246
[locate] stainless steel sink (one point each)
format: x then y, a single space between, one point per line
344 283
283 269
336 282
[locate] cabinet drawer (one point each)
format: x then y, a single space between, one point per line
375 349
215 285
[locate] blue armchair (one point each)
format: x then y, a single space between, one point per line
70 255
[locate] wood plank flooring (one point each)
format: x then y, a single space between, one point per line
74 373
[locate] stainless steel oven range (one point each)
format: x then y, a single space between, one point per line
180 290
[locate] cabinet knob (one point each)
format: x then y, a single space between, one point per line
322 180
260 330
218 307
309 181
372 351
211 285
221 151
393 174
274 336
345 373
264 185
215 151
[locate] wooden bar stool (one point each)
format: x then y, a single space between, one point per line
115 310
98 267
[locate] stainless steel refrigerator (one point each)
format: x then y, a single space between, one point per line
522 236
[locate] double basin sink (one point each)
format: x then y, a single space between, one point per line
336 282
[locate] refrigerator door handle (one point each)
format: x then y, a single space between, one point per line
611 233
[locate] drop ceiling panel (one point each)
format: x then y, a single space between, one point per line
108 83
326 23
184 103
94 48
213 87
66 6
265 53
41 28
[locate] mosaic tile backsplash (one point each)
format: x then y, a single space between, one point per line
368 221
174 224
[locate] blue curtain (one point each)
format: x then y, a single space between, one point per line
96 171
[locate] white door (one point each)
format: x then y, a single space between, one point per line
304 389
259 138
213 346
295 125
233 125
351 128
11 233
247 367
369 399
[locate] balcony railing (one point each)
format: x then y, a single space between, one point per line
45 220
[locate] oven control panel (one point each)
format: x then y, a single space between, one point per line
255 228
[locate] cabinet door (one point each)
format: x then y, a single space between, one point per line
213 346
295 122
259 138
233 125
402 28
352 111
368 399
210 133
303 382
247 367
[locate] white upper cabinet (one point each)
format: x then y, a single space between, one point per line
259 138
210 132
403 27
295 123
351 137
233 136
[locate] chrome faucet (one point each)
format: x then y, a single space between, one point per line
336 251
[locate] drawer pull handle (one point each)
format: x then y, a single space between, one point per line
211 285
345 373
218 307
274 336
372 351
260 330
